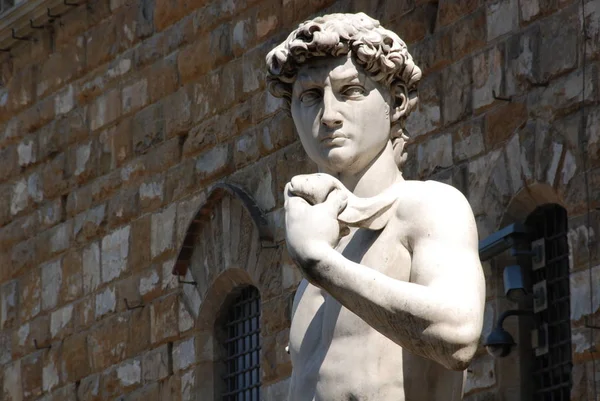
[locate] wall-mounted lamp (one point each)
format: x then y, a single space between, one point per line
514 288
500 342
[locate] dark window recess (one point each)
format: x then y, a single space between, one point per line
241 344
552 367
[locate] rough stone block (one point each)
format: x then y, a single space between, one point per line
213 163
163 319
456 91
522 53
487 77
450 11
61 322
50 369
64 101
51 283
580 293
149 285
13 382
155 364
163 230
122 379
162 79
434 154
88 224
107 342
100 43
427 117
502 17
91 268
177 112
245 150
9 293
559 35
148 128
75 362
106 302
195 59
105 110
115 250
184 354
72 276
468 140
481 374
502 122
123 207
139 331
27 151
89 389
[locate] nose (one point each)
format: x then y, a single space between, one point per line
331 117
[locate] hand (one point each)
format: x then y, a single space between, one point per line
312 230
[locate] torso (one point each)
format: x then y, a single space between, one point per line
337 356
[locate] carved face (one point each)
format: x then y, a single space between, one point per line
341 114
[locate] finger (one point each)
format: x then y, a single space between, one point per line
313 187
336 202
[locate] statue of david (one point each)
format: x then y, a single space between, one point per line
391 304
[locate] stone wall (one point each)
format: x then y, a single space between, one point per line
116 122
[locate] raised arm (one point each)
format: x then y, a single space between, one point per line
439 313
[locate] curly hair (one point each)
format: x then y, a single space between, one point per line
380 52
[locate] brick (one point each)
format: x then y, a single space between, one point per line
105 110
502 17
162 231
487 78
30 295
107 342
123 207
51 283
148 128
163 319
75 361
456 91
9 293
115 250
89 224
204 135
61 322
502 122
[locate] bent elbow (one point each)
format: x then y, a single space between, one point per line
462 351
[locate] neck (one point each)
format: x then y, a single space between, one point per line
380 174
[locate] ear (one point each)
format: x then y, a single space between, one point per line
399 101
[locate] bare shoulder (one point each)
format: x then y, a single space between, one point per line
434 209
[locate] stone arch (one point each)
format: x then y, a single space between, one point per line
527 199
228 245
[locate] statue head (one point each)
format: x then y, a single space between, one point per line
354 39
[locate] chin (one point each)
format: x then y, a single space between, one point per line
339 159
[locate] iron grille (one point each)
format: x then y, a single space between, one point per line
6 5
242 347
552 370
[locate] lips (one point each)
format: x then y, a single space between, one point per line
333 138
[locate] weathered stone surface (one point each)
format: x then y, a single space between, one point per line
580 293
12 383
502 17
487 77
456 91
502 122
155 364
427 117
107 343
559 35
184 354
8 303
434 154
115 250
105 302
163 231
61 321
163 319
51 282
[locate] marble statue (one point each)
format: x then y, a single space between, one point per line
391 305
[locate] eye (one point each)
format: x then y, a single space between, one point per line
354 91
310 97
